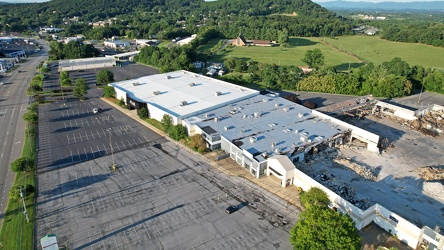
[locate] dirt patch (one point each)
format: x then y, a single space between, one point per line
374 236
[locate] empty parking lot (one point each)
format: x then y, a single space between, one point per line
71 132
160 198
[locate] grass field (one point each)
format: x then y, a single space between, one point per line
290 55
338 52
376 50
16 233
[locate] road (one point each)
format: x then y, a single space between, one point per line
13 104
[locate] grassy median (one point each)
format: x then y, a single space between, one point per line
16 232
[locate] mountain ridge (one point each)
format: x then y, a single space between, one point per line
418 5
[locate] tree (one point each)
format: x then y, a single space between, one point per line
14 192
105 76
80 88
143 113
109 91
177 132
22 164
314 58
315 197
324 228
167 122
30 116
197 143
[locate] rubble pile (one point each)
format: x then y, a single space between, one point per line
366 173
344 190
432 123
432 173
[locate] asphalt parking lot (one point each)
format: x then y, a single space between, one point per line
72 132
161 197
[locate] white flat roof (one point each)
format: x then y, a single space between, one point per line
174 87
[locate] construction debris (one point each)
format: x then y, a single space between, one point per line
432 173
366 173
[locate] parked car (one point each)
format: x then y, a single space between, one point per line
95 110
231 209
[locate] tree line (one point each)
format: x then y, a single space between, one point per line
71 50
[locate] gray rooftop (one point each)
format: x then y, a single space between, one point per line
268 123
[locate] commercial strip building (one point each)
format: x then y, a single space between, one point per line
263 133
249 126
116 44
86 63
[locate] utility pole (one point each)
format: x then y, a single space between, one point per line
420 92
24 204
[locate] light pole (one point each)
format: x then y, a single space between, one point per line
420 92
113 167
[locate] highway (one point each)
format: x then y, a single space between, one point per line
13 104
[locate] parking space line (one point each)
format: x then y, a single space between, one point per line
105 149
81 139
84 149
77 125
81 122
78 153
98 134
92 135
92 120
72 158
78 113
70 123
145 227
134 228
94 155
75 140
104 133
117 146
114 237
97 119
135 143
141 142
129 143
68 139
86 136
87 122
64 123
98 150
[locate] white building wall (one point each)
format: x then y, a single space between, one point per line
399 111
157 113
361 134
403 229
120 94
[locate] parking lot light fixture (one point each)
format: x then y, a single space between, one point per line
113 166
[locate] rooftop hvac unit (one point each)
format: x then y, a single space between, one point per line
277 150
191 84
196 75
242 131
244 116
277 105
265 100
241 90
300 115
257 114
136 84
207 115
296 131
285 109
184 72
183 103
273 144
225 128
264 154
294 145
216 119
168 77
303 139
253 139
218 93
156 93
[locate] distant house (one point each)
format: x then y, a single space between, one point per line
240 41
198 64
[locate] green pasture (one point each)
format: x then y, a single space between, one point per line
292 54
376 50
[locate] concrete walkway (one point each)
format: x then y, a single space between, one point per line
228 166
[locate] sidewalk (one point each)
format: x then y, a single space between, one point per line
227 166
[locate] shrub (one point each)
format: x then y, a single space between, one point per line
22 164
143 113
